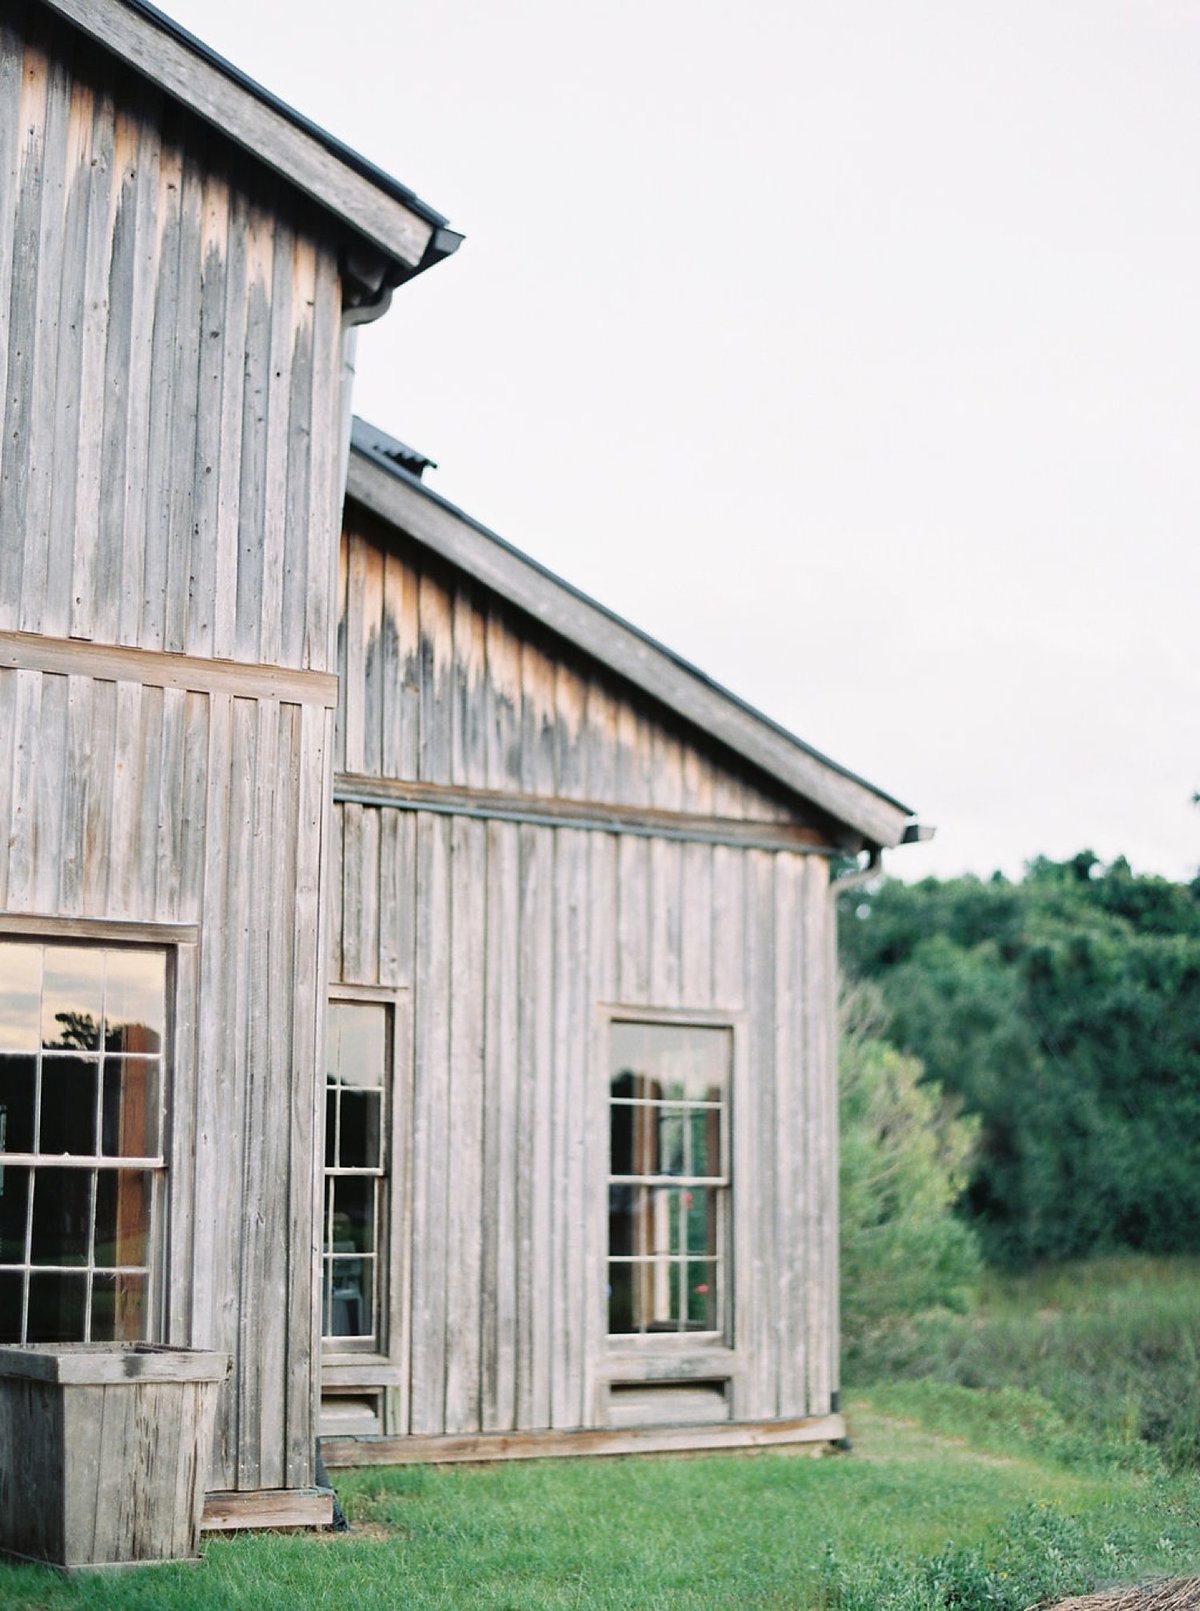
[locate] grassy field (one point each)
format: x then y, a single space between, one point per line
1113 1346
994 1496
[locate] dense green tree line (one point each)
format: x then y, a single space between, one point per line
1064 1012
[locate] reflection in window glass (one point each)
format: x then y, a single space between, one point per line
81 1077
668 1177
358 1060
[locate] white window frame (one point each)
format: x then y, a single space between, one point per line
674 1356
376 1367
164 1310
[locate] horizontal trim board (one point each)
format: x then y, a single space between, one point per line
543 811
391 1451
274 140
227 1511
418 514
41 925
76 657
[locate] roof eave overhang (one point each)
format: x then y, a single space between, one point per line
402 501
408 235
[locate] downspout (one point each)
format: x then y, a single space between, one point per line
839 886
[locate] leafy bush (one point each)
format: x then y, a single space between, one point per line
904 1160
1064 1011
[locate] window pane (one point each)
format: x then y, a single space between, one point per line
62 1216
360 1140
358 1042
700 1209
57 1306
20 998
679 1062
12 1291
621 1219
704 1127
331 1119
69 1105
135 1000
670 1141
701 1276
620 1298
118 1308
14 1197
351 1313
17 1077
353 1214
129 1120
72 997
122 1217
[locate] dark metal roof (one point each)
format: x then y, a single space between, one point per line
380 449
390 447
335 147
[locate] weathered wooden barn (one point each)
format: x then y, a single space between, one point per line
182 265
413 980
581 915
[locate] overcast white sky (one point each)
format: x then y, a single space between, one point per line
850 348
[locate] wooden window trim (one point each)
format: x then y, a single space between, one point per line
689 1355
171 1220
381 1365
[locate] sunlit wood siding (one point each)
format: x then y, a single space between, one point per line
170 353
512 937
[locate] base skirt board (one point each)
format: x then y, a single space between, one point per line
225 1512
485 1446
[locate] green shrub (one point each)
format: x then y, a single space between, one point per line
904 1160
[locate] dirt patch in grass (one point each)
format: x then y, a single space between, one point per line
1182 1594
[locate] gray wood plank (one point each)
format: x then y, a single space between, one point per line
307 1006
228 469
98 800
260 263
430 1123
306 545
184 408
372 630
502 708
758 1195
67 266
792 1163
462 1158
572 1027
45 286
52 741
203 534
501 1152
77 780
436 680
468 741
534 1199
274 506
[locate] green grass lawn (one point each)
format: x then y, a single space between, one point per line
931 1501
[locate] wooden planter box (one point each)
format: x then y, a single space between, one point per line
104 1451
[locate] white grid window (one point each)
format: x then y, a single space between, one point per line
357 1104
668 1184
82 1164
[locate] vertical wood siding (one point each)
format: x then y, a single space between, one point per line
169 355
510 937
442 684
169 337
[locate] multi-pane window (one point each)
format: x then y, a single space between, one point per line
81 1139
668 1193
358 1061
